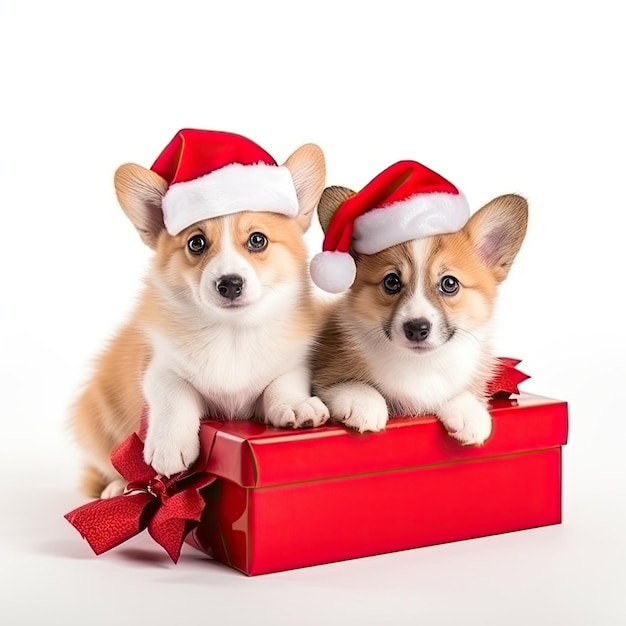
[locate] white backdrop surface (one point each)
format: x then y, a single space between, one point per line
498 97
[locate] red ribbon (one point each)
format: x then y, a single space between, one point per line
506 378
168 507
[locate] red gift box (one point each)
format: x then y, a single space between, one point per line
263 499
285 499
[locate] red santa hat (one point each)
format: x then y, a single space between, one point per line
212 173
407 201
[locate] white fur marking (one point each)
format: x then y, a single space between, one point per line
229 261
419 306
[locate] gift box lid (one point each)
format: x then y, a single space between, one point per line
254 455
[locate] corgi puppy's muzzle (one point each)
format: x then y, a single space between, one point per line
223 329
412 336
229 281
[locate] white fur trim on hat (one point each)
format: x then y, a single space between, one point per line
421 215
333 271
233 188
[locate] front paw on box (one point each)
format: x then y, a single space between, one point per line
470 430
362 416
307 413
170 459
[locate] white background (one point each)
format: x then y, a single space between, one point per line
498 97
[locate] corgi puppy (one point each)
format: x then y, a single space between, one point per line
222 329
412 334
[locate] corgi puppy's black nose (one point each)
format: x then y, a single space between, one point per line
417 330
230 286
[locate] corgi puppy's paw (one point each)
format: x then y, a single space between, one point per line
307 413
286 405
358 406
169 455
113 489
174 410
466 419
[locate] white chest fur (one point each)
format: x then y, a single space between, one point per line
418 384
230 366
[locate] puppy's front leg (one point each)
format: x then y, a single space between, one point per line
466 418
287 401
358 405
174 412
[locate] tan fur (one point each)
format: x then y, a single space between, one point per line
305 164
331 198
139 192
109 408
337 356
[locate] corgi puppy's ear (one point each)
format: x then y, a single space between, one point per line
140 193
308 170
498 230
329 203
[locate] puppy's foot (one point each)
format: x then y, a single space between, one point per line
171 455
363 409
307 413
93 481
114 488
467 420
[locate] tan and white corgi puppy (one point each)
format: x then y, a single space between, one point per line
224 325
412 334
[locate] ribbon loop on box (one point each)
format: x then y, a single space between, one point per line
506 378
168 507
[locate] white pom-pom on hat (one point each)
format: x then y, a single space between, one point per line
333 271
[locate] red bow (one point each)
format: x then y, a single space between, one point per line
506 378
168 507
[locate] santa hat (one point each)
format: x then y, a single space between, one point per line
407 201
213 173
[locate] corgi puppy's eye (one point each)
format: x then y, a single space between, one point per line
257 242
197 244
392 283
449 286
